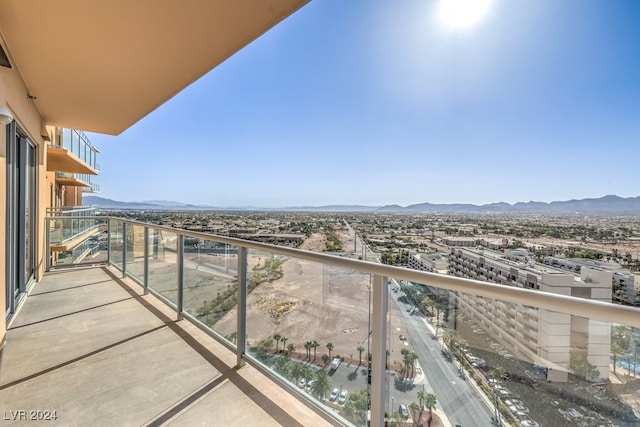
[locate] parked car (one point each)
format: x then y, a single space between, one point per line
335 362
309 386
334 393
404 411
343 396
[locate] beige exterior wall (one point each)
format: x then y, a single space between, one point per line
13 95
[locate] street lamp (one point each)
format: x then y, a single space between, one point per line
391 408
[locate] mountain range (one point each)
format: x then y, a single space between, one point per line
610 204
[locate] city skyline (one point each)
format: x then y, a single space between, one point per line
367 103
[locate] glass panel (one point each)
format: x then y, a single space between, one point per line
163 267
309 322
210 282
135 251
484 359
116 243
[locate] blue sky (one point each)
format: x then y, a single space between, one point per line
378 102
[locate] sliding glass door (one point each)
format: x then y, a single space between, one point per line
21 215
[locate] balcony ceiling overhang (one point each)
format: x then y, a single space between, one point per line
101 65
71 181
62 160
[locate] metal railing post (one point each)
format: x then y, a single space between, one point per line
241 339
146 261
378 349
109 241
124 249
47 243
180 254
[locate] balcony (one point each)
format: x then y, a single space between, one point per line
72 152
77 180
70 232
273 311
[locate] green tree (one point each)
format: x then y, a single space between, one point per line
277 337
297 371
330 348
307 347
582 368
314 344
291 348
360 350
321 385
430 402
281 366
284 340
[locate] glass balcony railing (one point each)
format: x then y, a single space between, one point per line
69 223
77 143
365 342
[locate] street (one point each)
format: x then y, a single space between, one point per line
457 398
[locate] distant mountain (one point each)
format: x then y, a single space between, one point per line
604 205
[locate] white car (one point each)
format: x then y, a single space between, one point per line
343 396
302 382
309 386
334 393
335 363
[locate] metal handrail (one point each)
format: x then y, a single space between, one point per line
603 311
567 304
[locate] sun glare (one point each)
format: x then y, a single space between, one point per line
463 13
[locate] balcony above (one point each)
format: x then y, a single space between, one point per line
71 179
94 351
61 160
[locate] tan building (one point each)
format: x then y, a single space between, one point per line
542 337
71 65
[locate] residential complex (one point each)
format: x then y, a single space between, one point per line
542 337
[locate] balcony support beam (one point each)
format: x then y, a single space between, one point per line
378 349
241 339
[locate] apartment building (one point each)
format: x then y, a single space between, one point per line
71 164
621 277
542 337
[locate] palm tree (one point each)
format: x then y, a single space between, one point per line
307 347
277 337
291 348
297 371
360 350
329 347
430 401
414 408
314 344
321 384
284 341
497 373
421 397
280 365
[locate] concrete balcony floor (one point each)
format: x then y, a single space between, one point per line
92 348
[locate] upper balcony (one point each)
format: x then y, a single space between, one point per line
285 315
71 151
77 180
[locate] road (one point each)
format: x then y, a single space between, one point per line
457 398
